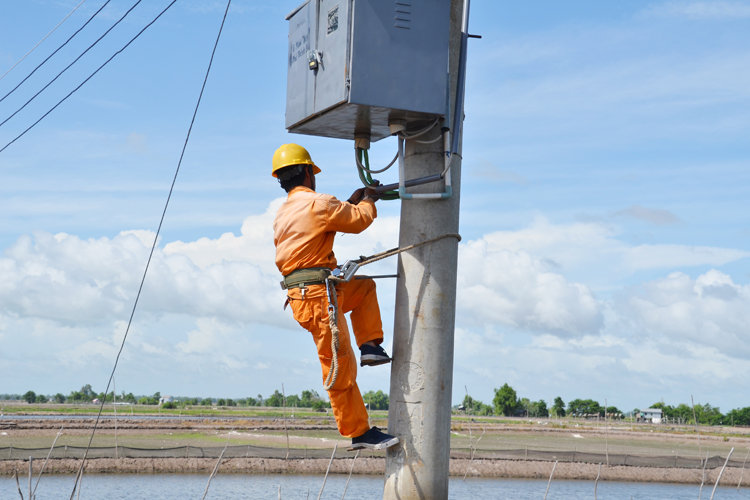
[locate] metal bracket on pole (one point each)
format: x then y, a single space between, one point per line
446 175
383 188
409 183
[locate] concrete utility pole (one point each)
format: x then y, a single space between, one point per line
422 368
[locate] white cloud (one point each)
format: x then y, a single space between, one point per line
670 336
205 296
67 279
710 311
513 288
716 9
203 339
629 372
215 304
651 359
97 348
585 246
516 279
671 256
255 243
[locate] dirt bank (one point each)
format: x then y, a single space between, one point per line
477 468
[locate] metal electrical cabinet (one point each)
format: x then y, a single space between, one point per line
357 65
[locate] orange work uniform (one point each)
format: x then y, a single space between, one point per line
304 229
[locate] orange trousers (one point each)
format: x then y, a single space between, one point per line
359 298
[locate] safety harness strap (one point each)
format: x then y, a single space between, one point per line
303 277
299 279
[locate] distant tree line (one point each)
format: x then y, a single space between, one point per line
376 400
307 399
706 414
506 402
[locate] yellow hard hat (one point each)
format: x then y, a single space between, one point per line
291 154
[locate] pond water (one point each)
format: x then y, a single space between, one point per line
240 486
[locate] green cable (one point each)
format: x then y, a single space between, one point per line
366 155
359 170
388 195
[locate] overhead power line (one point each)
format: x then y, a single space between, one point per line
43 39
71 64
156 237
56 50
88 78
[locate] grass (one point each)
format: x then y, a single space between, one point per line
192 411
155 440
492 440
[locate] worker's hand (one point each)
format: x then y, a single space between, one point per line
357 196
371 194
367 193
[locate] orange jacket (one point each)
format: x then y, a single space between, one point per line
306 224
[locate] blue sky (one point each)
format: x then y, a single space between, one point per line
604 210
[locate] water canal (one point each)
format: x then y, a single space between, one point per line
295 487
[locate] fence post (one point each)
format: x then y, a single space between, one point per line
65 453
721 473
187 451
550 480
596 482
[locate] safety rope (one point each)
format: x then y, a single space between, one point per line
333 323
363 261
333 302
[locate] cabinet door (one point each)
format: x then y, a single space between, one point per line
300 90
400 54
333 45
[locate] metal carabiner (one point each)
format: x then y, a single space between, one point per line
331 309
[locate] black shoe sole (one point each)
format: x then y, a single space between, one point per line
374 362
378 446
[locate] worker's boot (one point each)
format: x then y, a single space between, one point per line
372 355
374 439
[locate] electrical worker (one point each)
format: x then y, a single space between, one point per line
304 229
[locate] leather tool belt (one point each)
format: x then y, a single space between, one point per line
301 278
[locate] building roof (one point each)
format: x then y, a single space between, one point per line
651 410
